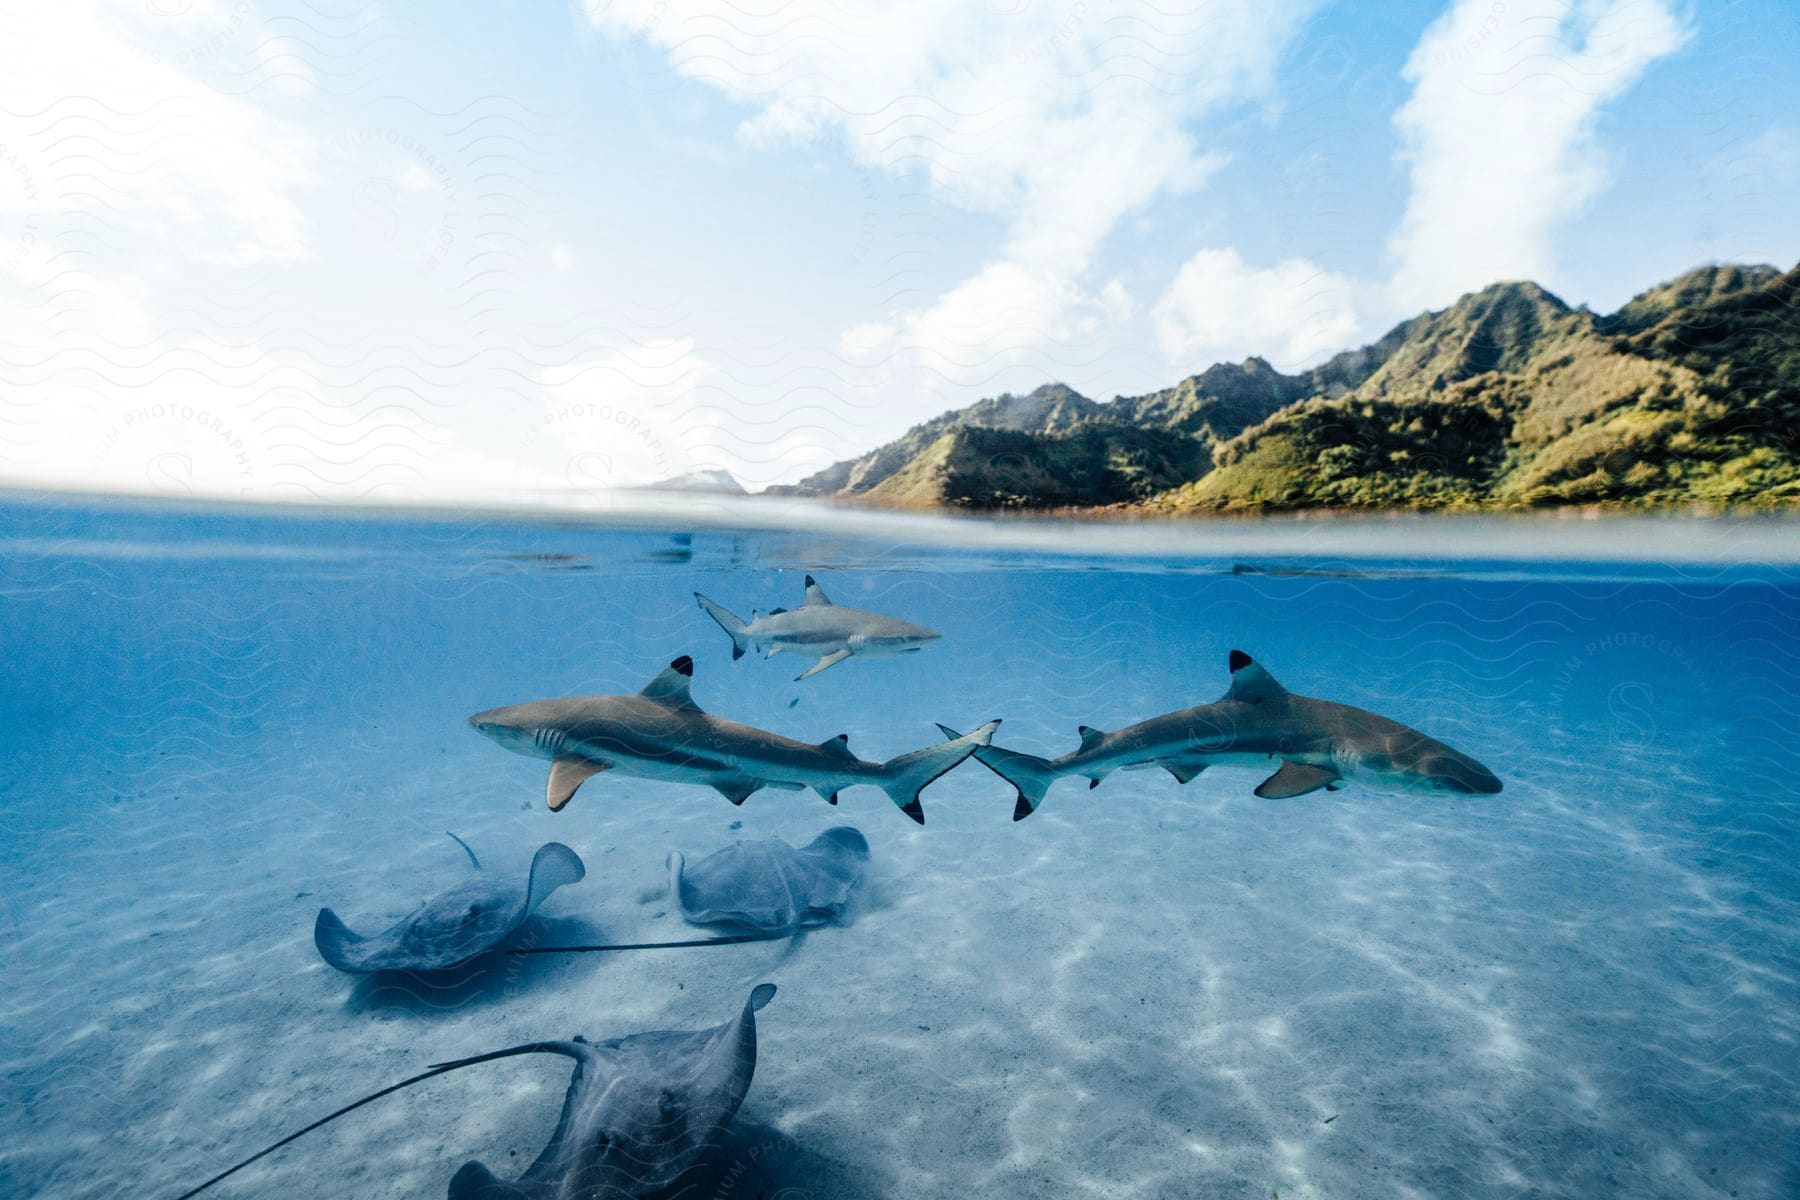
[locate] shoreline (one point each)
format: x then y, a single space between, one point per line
1713 539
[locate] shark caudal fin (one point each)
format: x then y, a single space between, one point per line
905 777
729 622
1030 775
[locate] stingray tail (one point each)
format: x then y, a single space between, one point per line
572 1049
1030 775
730 623
465 846
905 777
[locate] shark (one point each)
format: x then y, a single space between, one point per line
660 733
1319 744
818 627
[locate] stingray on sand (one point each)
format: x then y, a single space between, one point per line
768 886
640 1111
760 890
454 927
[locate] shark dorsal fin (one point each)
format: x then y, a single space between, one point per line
838 747
1250 684
671 687
1091 737
815 595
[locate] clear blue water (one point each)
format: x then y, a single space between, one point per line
1585 986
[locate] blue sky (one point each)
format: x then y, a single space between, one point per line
412 251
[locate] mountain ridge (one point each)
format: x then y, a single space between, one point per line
1509 397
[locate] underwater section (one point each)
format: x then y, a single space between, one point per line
220 722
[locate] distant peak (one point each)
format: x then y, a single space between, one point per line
1512 291
1700 286
706 479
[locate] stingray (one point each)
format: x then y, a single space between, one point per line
768 886
454 927
762 890
640 1111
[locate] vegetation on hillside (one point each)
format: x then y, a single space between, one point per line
1508 398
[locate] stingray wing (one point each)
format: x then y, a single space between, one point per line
671 1095
339 945
640 1111
747 885
831 866
453 928
554 866
476 1182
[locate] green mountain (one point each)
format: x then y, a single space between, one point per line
1508 398
1055 447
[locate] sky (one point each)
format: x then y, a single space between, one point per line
348 252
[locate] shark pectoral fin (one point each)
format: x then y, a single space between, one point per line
1183 770
1295 779
737 790
566 774
830 660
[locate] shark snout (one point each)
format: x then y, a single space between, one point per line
916 641
1453 772
510 727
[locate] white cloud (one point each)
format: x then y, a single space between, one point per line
1061 119
1499 134
1220 308
99 110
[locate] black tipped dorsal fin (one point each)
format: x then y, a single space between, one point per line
671 687
815 595
1090 737
1250 684
838 747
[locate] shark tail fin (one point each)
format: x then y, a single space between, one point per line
1030 775
730 623
903 778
